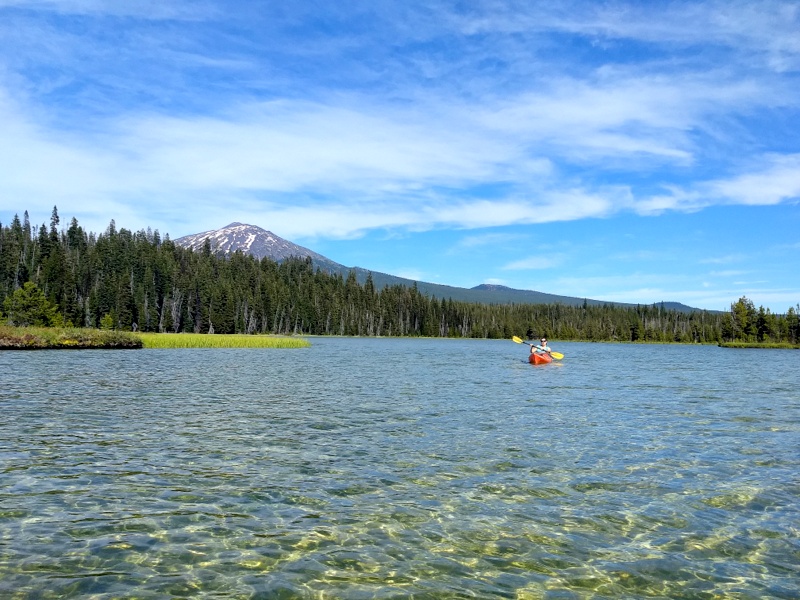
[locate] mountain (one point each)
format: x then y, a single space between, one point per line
262 243
250 240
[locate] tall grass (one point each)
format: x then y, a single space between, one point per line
774 346
202 340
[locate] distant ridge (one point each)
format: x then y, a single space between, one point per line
510 295
261 243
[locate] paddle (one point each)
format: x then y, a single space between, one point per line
556 355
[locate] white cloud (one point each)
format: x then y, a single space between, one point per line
350 219
535 263
777 181
772 179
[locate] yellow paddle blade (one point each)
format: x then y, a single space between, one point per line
557 355
516 339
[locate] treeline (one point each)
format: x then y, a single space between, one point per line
128 280
746 324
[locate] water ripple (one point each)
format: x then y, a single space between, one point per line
398 468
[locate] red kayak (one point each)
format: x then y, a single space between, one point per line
540 358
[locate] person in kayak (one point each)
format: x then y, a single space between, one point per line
543 347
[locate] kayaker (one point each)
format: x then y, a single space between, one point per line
543 347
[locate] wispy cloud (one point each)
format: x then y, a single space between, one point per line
722 260
622 114
777 181
535 263
765 29
489 239
728 273
395 170
420 156
145 9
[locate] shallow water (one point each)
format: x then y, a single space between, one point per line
390 468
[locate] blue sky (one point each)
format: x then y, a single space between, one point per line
622 151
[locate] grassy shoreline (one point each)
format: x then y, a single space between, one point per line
65 338
220 340
77 338
762 345
42 338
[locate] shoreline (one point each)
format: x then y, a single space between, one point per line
79 338
760 346
66 338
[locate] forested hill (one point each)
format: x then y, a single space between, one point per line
136 280
498 294
261 243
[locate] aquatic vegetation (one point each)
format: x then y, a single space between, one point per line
773 346
203 340
37 338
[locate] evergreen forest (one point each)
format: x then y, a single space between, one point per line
126 280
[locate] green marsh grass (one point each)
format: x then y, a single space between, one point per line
768 345
203 340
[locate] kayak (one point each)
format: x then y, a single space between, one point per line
540 358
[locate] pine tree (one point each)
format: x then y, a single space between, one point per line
28 306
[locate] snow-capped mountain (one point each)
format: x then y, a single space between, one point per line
250 240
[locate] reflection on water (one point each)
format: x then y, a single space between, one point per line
386 468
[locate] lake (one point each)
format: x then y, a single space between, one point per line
391 468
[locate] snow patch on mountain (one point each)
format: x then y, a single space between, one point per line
250 239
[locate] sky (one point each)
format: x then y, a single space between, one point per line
621 151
